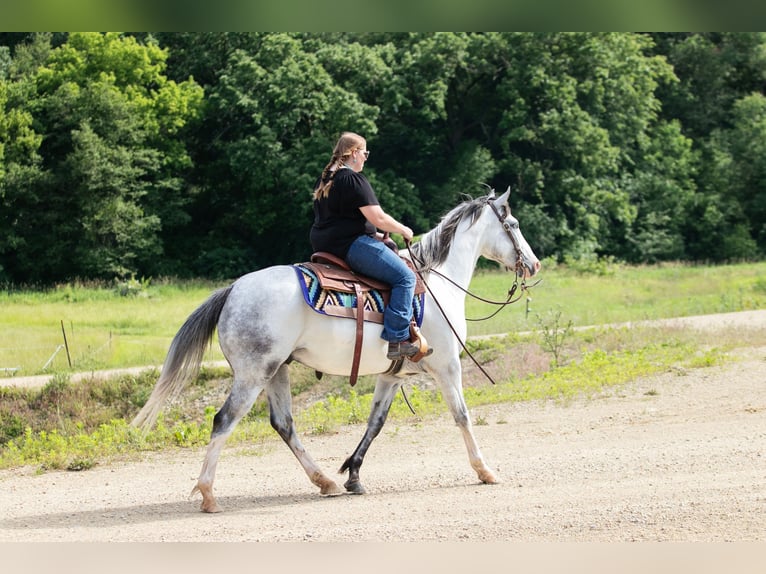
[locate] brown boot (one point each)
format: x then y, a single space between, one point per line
404 350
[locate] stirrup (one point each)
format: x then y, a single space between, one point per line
419 340
407 350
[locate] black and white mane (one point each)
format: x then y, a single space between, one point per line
433 248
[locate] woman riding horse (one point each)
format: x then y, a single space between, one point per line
346 216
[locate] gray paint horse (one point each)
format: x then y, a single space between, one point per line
264 323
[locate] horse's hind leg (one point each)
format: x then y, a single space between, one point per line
385 390
238 404
280 409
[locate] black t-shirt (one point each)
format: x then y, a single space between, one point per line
337 219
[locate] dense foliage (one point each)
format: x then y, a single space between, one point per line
194 154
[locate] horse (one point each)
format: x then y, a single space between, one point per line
264 323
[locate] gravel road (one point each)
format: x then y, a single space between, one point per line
676 457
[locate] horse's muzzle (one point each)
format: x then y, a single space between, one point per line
526 271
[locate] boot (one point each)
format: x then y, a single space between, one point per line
404 349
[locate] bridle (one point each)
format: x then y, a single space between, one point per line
508 227
518 269
501 304
508 230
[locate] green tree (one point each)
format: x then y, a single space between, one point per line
19 176
113 160
746 143
111 156
717 74
272 118
714 71
571 120
662 188
574 111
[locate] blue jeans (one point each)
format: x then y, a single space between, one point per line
371 257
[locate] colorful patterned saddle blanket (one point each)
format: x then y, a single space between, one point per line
334 291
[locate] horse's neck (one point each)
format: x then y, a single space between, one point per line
463 256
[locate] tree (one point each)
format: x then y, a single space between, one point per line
746 142
196 153
716 100
574 109
111 157
19 176
662 188
270 124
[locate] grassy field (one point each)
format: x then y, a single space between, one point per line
104 326
118 326
617 294
74 426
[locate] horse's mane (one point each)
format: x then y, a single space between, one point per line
433 248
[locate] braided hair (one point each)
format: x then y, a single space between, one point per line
347 143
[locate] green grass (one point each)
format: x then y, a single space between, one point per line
76 426
105 329
619 294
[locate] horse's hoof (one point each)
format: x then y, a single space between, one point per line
354 487
209 503
210 507
330 489
327 486
488 477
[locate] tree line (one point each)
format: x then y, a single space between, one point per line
195 154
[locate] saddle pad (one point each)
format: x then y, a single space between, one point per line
340 304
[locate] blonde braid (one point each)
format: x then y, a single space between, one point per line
325 182
346 144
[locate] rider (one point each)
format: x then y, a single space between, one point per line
347 215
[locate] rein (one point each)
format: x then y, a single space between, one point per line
502 304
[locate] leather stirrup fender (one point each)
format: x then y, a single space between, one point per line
359 334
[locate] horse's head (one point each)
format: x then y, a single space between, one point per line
505 242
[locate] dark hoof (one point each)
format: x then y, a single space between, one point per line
354 487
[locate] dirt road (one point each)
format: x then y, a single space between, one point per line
675 457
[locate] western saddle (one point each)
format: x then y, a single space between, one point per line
334 274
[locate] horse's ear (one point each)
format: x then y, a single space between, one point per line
504 198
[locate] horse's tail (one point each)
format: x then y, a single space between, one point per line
184 356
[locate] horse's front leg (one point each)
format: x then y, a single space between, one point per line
385 390
280 409
451 384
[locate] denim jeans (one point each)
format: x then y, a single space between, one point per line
371 257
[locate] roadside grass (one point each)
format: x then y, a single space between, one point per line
542 355
131 324
105 327
77 426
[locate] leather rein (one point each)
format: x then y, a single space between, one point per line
501 304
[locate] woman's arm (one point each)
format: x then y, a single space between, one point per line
380 219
